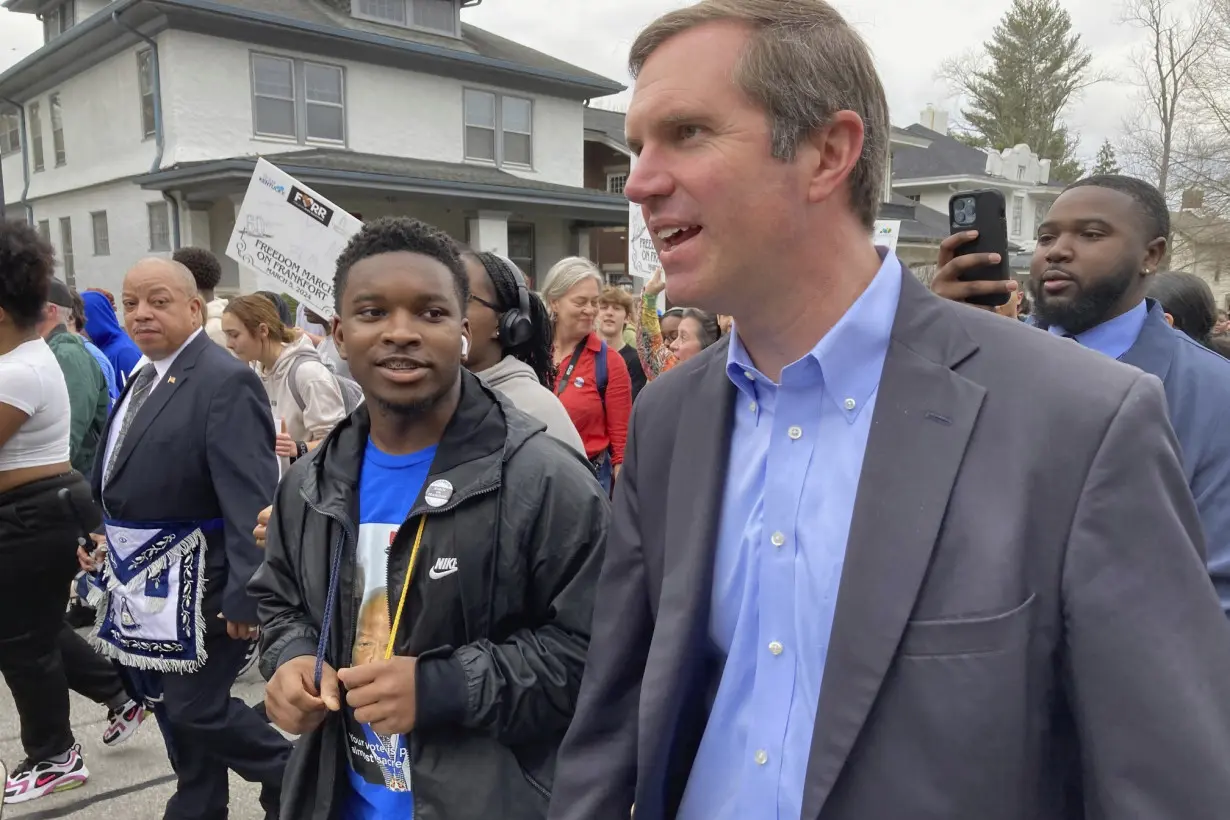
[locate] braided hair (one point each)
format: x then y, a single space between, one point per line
537 352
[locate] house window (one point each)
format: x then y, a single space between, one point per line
1018 214
10 132
298 100
615 182
914 197
66 251
440 16
58 19
521 248
1039 214
499 128
145 81
36 136
44 229
102 234
159 227
324 103
57 130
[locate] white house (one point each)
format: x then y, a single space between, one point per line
134 129
930 176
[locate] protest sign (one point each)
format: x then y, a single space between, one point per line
886 233
291 236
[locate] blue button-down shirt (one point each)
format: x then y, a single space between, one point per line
795 460
1113 337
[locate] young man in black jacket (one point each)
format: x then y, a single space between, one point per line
426 600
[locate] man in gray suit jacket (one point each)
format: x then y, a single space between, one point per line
876 555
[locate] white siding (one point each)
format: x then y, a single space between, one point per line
102 132
389 112
127 224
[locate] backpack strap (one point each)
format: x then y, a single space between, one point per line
601 374
292 381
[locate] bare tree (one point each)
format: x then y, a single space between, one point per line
1166 70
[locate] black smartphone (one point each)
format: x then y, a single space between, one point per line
986 212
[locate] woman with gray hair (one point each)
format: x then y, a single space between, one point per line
592 380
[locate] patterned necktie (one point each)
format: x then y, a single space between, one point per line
140 392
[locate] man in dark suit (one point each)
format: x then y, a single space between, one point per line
847 578
188 463
1089 284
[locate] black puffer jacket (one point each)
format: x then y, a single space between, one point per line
501 642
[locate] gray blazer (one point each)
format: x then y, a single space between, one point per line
1025 627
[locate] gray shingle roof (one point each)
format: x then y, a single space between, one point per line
339 163
473 40
946 157
609 124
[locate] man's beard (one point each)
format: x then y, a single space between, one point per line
416 409
1090 306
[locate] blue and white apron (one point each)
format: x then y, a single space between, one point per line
150 594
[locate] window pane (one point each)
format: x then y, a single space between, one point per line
36 135
66 244
518 148
102 237
394 11
480 143
325 122
148 126
517 115
159 227
440 15
275 117
145 70
57 129
274 77
324 83
44 229
480 109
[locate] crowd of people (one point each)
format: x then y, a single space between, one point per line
872 551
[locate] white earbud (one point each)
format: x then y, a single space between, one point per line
465 347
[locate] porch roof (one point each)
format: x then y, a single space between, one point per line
340 168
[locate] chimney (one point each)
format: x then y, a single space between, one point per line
1193 200
935 119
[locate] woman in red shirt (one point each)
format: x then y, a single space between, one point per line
571 292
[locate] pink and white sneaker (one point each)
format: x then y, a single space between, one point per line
123 723
32 781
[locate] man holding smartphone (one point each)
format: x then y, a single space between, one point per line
1102 240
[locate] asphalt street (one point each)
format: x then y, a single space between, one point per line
132 781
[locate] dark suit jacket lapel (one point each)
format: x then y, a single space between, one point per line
164 391
1153 350
693 513
924 416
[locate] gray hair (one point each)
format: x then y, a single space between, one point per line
566 274
803 63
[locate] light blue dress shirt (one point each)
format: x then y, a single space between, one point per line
1113 337
796 457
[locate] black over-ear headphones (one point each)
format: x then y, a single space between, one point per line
516 327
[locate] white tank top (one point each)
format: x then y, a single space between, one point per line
31 381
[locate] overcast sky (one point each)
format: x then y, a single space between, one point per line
910 39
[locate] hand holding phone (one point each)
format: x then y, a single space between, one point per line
980 217
952 280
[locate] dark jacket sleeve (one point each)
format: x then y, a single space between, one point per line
1147 650
595 778
244 471
524 689
288 630
1211 486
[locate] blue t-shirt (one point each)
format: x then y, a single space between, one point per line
379 767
